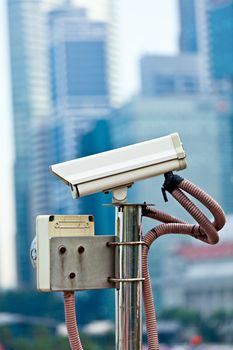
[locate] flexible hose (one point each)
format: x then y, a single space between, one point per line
207 201
161 216
205 231
71 324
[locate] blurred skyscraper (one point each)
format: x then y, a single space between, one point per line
79 74
214 25
176 74
96 141
80 98
220 26
79 83
188 32
168 75
47 195
78 55
31 102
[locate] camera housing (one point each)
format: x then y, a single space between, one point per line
123 166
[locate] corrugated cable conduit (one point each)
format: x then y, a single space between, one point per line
204 230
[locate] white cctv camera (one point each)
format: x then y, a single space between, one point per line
123 166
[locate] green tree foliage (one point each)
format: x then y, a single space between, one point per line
182 315
32 303
42 339
90 305
209 327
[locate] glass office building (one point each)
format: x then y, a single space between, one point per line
78 57
220 24
215 41
79 86
188 33
96 141
168 75
31 101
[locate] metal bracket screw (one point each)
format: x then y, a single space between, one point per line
81 249
72 275
62 250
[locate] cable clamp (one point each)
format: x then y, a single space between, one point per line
170 184
164 194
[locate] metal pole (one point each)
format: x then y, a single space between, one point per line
129 293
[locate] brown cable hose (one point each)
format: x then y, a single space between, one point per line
71 324
151 323
208 202
161 216
205 231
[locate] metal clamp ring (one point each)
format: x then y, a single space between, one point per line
109 244
115 280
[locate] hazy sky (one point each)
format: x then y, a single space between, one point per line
147 26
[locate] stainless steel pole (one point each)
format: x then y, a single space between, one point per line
129 291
